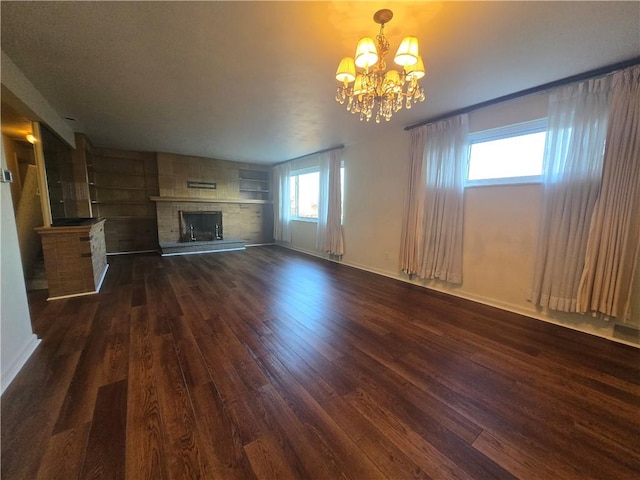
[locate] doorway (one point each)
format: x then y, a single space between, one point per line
21 161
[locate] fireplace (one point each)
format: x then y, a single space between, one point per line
200 226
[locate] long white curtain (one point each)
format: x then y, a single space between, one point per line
329 238
282 202
572 172
413 221
431 243
446 154
614 236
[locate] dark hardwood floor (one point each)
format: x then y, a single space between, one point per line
271 364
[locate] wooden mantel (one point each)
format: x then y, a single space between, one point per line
206 200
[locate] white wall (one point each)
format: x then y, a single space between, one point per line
500 222
17 341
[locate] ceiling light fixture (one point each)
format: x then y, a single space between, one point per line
374 85
30 138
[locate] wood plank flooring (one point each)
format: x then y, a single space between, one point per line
271 364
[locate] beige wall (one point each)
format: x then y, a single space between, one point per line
500 222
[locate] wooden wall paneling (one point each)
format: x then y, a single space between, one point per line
130 234
174 171
124 181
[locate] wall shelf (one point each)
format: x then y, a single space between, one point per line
254 184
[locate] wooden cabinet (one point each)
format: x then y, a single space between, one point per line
75 258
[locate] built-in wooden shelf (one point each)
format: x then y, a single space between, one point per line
120 185
254 184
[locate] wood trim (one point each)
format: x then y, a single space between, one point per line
69 229
42 175
206 200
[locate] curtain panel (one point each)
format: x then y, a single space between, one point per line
281 202
611 256
572 171
433 221
412 223
446 155
329 237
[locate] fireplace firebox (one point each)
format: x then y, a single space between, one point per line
200 226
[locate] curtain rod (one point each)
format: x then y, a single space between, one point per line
540 88
309 154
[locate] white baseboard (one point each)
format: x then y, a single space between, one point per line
10 372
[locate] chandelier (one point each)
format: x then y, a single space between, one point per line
374 87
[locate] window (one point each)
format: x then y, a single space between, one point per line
507 155
305 187
304 190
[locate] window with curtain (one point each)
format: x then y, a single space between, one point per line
613 246
511 154
572 173
305 193
281 203
431 245
313 194
329 238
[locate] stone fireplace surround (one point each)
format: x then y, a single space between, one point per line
247 220
244 223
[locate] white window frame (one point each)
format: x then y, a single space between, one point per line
302 171
513 130
296 173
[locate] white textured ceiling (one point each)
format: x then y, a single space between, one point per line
254 81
